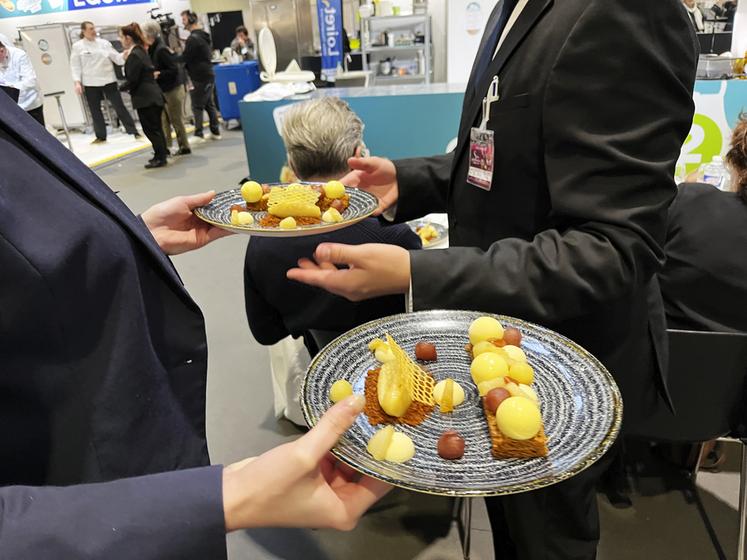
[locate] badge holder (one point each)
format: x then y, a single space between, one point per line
482 145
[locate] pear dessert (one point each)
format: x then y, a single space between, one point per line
399 391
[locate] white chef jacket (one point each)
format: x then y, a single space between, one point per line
16 71
91 62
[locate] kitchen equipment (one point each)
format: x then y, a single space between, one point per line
268 56
385 67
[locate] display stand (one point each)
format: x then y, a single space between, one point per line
57 95
463 508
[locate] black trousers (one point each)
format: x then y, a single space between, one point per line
38 114
150 120
95 95
560 522
202 100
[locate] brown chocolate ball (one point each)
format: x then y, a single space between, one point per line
495 397
425 351
512 336
451 445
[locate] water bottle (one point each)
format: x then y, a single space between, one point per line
715 174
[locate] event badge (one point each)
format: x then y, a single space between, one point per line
482 144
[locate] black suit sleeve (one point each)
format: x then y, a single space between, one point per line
166 66
134 68
423 185
170 515
617 107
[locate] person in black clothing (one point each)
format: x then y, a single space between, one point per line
726 10
146 96
242 44
170 79
704 280
319 137
197 57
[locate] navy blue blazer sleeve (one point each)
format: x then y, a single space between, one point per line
171 515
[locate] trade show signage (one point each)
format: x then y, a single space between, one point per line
330 33
718 105
19 8
88 4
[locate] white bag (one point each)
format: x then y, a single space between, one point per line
288 362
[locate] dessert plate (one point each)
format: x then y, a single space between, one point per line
441 230
218 213
580 402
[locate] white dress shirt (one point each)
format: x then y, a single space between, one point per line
520 5
16 71
697 16
91 62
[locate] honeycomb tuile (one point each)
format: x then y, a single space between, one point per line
294 200
419 384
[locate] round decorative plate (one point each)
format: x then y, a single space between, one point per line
218 213
580 402
441 231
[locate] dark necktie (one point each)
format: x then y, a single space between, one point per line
486 56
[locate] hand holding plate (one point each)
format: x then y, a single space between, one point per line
375 175
176 229
300 484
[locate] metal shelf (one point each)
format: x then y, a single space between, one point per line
417 23
398 78
415 47
396 22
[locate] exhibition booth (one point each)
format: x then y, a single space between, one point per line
502 377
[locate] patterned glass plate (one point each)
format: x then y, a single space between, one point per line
218 213
441 230
580 402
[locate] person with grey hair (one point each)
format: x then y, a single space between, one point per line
319 135
170 79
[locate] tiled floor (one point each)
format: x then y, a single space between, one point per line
662 525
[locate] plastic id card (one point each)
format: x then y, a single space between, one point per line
481 148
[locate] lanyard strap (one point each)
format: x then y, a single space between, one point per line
491 97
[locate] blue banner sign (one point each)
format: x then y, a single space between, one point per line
88 4
330 32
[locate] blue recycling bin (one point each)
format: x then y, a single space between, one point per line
232 83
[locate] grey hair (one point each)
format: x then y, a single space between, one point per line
151 29
319 136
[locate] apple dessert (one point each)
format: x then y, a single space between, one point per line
504 377
288 207
399 391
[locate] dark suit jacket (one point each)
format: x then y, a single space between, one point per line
141 84
170 75
277 307
596 100
704 281
103 363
